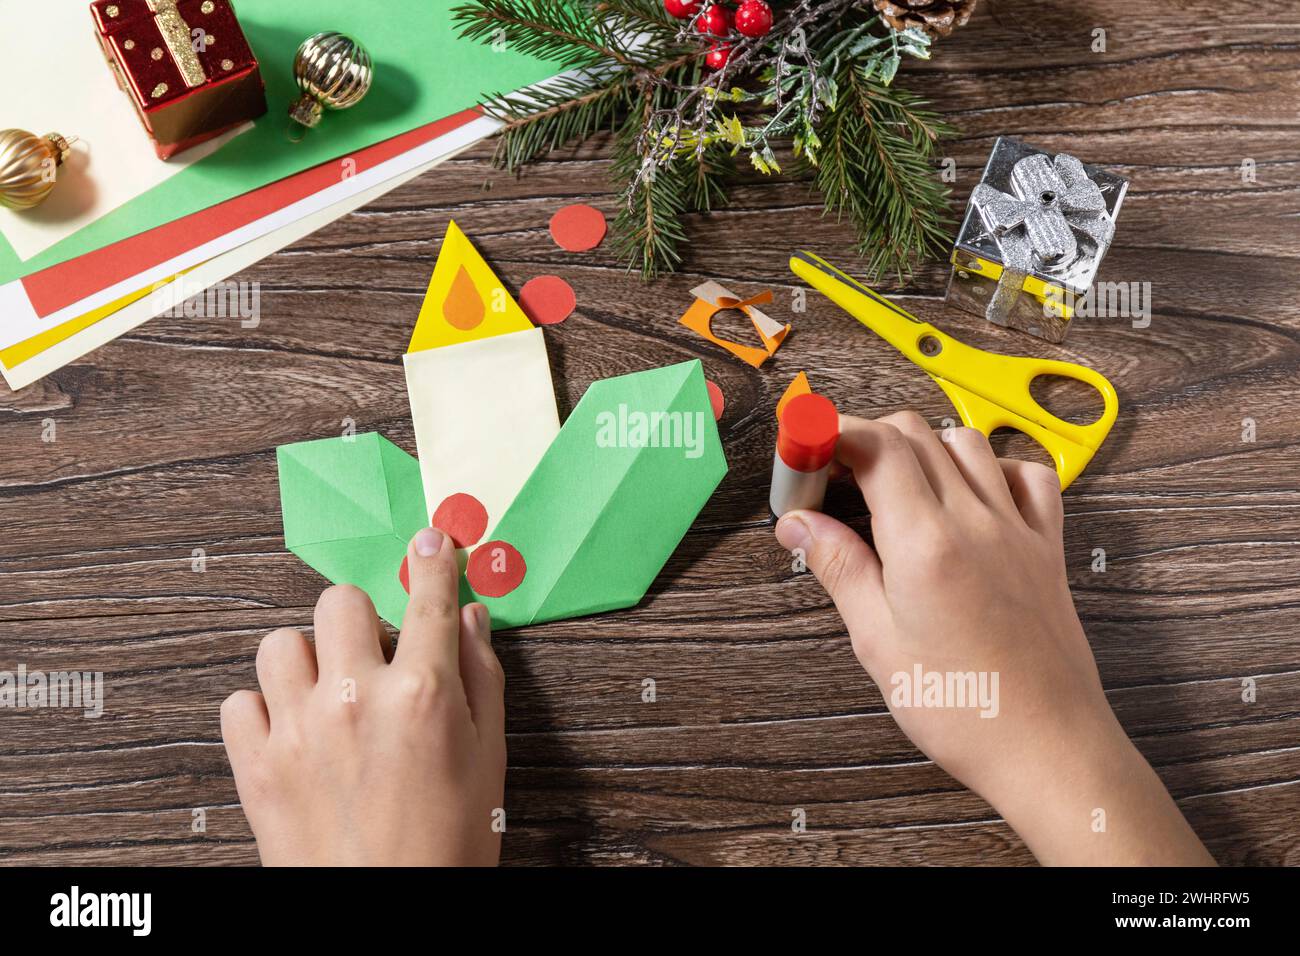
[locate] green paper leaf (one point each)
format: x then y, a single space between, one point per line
604 509
350 506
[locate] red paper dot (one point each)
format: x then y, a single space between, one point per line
462 517
578 228
716 399
547 300
495 569
404 574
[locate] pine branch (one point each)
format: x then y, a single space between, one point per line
563 32
648 231
564 109
574 105
709 175
571 106
648 228
875 166
644 16
825 75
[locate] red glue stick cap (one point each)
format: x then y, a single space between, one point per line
808 431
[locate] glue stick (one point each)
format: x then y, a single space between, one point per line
806 435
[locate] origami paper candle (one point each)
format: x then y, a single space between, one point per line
479 383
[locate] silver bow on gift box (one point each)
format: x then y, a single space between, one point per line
1035 227
1033 214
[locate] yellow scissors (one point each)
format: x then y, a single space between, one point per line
989 391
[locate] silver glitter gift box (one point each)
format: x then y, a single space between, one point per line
1036 229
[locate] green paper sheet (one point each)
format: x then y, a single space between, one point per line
423 72
604 509
350 507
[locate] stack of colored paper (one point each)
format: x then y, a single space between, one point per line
125 235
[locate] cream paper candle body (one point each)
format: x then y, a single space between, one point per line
480 390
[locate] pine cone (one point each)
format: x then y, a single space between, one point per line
935 17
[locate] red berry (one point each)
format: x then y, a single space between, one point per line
717 56
715 20
682 9
754 18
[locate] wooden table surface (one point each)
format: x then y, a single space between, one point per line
165 443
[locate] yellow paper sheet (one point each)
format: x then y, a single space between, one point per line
22 351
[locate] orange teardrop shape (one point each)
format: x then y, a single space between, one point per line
463 308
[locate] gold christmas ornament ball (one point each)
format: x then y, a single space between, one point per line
28 165
333 71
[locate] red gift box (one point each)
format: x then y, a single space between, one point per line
184 63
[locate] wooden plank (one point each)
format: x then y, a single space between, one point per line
145 541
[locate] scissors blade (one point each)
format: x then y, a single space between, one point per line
803 262
895 325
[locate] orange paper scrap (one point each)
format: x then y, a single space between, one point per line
711 298
796 388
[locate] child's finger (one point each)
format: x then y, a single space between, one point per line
481 673
1037 493
882 462
973 456
349 637
844 564
938 466
890 478
286 668
430 634
245 724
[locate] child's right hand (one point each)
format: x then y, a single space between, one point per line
968 575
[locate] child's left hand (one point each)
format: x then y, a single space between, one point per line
358 754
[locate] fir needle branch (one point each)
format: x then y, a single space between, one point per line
876 169
823 77
560 111
552 29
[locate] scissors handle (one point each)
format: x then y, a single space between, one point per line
1006 402
989 391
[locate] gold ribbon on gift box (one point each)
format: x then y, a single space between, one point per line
176 34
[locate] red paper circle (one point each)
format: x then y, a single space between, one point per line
578 228
495 569
716 399
547 299
462 518
404 574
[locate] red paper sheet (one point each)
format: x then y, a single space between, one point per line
61 285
